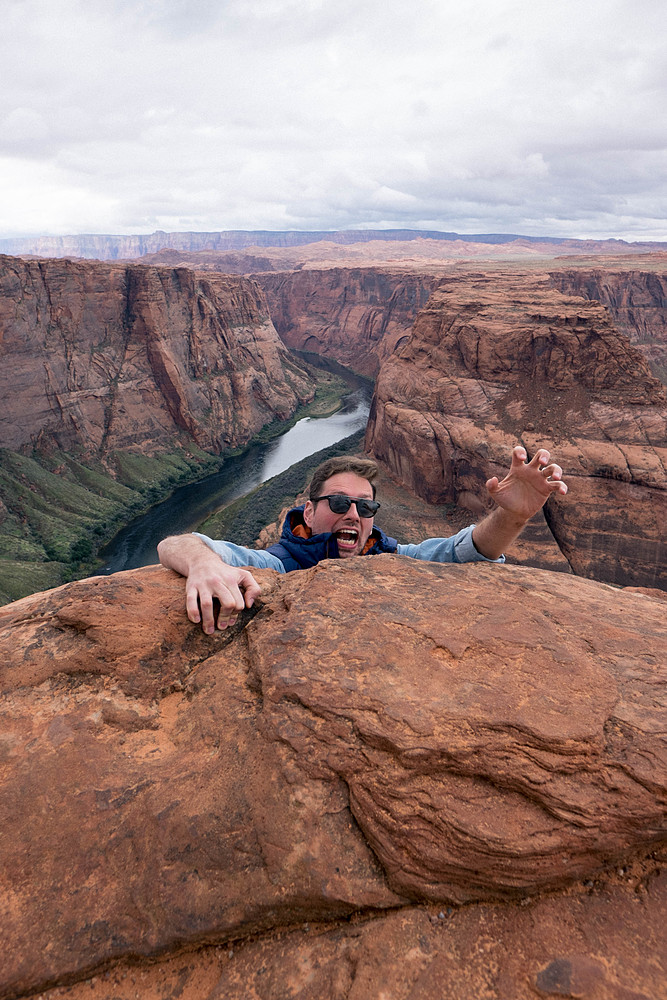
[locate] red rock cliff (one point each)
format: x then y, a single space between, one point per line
302 804
100 357
636 298
357 316
501 358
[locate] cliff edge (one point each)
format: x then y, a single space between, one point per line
432 780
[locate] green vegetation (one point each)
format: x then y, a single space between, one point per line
243 520
57 510
328 394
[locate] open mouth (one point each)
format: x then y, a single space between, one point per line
347 539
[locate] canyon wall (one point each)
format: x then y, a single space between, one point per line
388 778
502 358
636 298
357 316
99 357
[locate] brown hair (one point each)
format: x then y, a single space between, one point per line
363 467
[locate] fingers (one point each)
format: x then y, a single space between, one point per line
552 471
202 592
553 475
541 457
192 603
250 586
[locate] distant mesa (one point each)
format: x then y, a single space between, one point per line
109 247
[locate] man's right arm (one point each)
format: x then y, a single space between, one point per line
208 578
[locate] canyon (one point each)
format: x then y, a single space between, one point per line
434 780
470 358
356 316
100 357
635 295
498 359
388 775
118 381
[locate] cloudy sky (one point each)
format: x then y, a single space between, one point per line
540 117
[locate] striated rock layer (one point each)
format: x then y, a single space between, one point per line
635 296
379 740
357 316
500 358
100 357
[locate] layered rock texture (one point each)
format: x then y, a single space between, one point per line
97 357
636 297
389 778
502 357
356 316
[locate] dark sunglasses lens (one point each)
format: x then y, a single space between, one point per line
367 508
340 504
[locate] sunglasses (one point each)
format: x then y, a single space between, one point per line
340 504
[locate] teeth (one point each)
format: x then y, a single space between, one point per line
347 535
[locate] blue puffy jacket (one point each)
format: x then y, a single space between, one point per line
297 550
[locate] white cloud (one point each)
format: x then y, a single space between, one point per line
489 116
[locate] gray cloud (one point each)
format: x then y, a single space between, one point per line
490 116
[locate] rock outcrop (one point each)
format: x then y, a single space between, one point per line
303 804
356 316
501 358
635 296
96 357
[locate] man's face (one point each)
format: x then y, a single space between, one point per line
351 530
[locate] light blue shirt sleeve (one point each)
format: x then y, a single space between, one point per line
239 555
459 548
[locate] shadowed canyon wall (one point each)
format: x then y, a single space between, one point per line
496 359
357 316
101 357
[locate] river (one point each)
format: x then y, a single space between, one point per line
135 545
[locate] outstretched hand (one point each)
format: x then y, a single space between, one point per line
528 485
521 494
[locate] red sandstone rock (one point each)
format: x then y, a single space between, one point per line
375 734
635 296
100 357
357 316
502 357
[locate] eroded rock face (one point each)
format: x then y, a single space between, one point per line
501 358
357 316
376 735
100 357
636 298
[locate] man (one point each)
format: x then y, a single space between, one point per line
337 522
